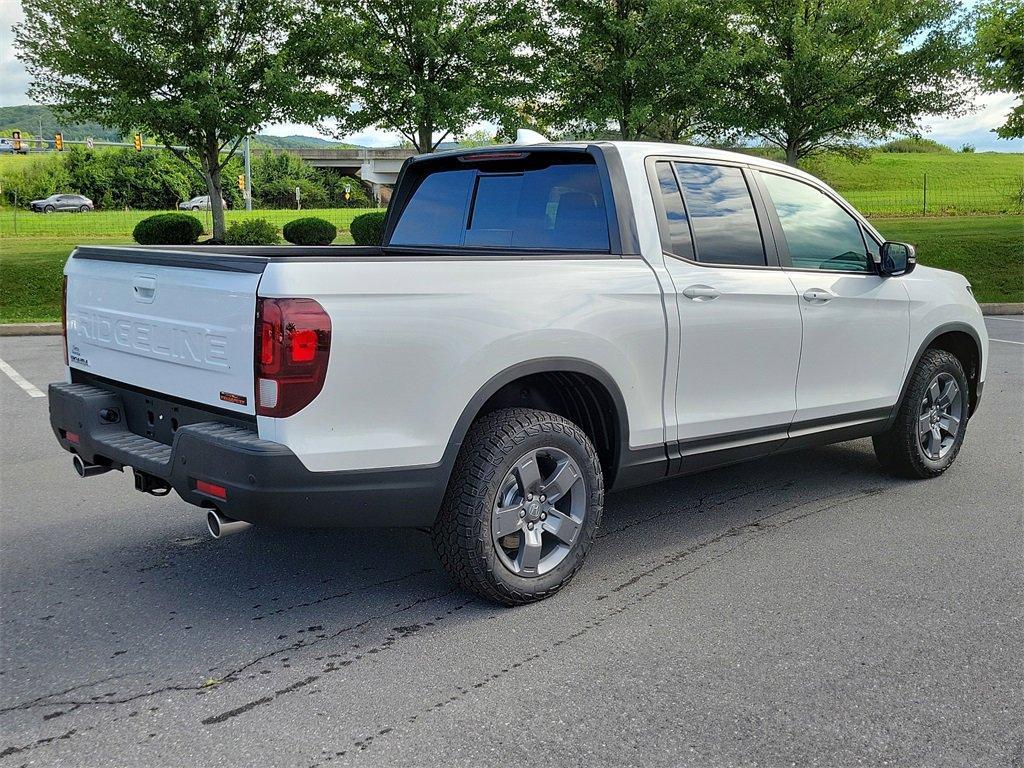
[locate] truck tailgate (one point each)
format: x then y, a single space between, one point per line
183 330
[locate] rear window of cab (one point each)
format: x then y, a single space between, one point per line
518 200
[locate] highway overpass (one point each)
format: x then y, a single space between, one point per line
375 166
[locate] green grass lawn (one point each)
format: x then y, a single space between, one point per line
893 184
989 250
119 224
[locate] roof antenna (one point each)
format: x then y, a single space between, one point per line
526 136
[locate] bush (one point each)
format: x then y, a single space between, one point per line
368 229
252 232
310 231
967 149
168 229
912 145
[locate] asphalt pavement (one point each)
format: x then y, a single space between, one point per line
801 610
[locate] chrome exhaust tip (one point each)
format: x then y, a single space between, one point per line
87 470
220 526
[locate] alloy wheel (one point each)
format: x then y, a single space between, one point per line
940 417
538 512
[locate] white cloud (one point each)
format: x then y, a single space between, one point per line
976 128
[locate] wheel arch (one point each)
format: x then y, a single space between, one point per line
579 390
963 342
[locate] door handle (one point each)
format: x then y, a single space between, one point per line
818 295
701 293
145 288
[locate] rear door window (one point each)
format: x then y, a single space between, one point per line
721 215
559 206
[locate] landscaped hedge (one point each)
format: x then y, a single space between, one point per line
168 229
252 232
310 231
368 229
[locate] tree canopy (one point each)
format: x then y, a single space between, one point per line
652 68
197 75
821 74
999 38
427 67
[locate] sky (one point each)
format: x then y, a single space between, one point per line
975 128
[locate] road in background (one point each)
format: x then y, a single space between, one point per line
803 609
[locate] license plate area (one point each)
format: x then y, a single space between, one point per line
158 417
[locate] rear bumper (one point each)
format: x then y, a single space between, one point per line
265 482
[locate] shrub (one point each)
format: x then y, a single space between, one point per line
252 232
310 231
368 229
912 144
168 229
967 149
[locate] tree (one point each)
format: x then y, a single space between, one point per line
822 74
422 67
652 68
198 75
999 39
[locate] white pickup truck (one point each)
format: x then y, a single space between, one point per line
541 324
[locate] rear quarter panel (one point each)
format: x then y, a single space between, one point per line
413 342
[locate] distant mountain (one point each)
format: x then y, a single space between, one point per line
30 119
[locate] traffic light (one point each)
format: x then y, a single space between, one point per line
241 182
58 142
16 140
138 142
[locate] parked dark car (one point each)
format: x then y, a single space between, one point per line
63 203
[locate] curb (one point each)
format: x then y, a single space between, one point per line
30 329
1002 309
53 329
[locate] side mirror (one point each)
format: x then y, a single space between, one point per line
897 259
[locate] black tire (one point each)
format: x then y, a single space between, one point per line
49 209
899 450
83 209
462 535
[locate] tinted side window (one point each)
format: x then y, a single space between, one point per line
675 214
819 233
436 214
721 212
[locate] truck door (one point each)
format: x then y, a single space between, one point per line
739 317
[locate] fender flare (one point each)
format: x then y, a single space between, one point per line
527 368
932 335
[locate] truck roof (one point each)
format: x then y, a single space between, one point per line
633 151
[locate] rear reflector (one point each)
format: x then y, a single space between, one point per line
72 437
210 489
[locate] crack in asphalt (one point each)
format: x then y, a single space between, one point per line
335 666
50 700
759 527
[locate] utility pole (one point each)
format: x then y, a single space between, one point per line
248 175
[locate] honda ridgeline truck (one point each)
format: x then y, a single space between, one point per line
541 324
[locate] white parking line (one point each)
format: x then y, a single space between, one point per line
30 389
1007 341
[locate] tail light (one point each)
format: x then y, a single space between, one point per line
64 316
293 343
